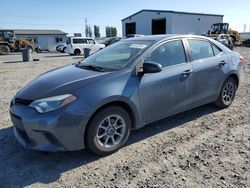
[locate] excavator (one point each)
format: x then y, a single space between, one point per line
9 42
223 28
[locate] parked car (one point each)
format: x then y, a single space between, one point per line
226 40
75 45
61 48
96 102
134 35
110 40
246 42
58 47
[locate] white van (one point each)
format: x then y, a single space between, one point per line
75 45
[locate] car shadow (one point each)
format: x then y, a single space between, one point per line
32 167
78 57
13 62
53 56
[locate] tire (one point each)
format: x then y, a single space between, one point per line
227 93
108 130
4 50
77 52
63 51
233 40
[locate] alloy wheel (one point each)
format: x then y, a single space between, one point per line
228 93
111 131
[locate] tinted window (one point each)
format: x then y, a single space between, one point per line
169 53
69 41
59 39
200 49
79 41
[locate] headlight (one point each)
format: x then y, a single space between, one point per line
52 103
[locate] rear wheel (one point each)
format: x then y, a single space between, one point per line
108 130
4 50
227 93
77 52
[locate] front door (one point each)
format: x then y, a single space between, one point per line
169 91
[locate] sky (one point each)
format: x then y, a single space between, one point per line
70 15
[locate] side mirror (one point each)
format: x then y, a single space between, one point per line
151 67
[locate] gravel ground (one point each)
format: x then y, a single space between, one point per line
204 147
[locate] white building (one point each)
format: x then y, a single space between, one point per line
46 39
150 22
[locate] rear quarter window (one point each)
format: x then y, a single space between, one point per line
216 50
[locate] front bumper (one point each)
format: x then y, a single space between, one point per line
59 130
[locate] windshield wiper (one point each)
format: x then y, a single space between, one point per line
91 67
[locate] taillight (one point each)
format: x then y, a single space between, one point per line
241 58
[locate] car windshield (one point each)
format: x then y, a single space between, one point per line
68 41
117 55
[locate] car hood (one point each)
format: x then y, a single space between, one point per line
59 81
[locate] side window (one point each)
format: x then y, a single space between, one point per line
82 41
168 54
79 41
75 41
59 39
200 49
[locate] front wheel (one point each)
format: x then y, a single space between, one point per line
227 93
108 130
4 50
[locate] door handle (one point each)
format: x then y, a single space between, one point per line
187 72
223 62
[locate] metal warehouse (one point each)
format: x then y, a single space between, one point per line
46 39
152 22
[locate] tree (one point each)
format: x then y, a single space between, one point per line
96 31
88 31
111 31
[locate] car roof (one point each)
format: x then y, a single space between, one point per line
161 37
81 38
158 38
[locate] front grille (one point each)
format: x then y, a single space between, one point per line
51 138
23 101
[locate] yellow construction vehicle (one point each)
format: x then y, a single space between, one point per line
223 28
24 43
8 43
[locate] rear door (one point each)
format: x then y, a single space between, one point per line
210 68
169 91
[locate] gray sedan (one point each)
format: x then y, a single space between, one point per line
96 102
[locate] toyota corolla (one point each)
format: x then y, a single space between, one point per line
97 101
